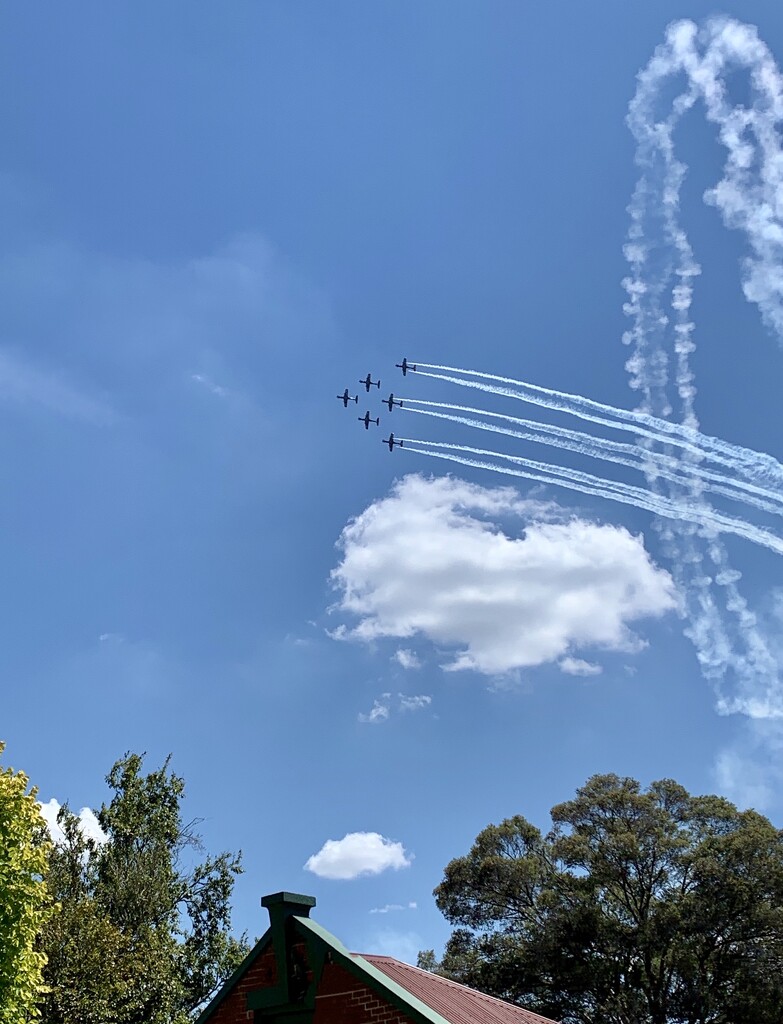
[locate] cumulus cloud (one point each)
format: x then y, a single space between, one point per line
578 667
407 659
88 823
500 582
357 854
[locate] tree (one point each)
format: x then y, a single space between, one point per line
24 901
144 932
635 908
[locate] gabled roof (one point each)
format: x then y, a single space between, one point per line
421 997
457 1003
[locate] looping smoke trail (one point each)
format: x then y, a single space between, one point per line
617 452
586 483
731 647
660 257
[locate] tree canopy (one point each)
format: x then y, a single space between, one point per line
637 907
144 931
24 902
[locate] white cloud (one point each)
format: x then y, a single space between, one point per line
393 907
433 559
357 854
88 823
577 667
407 659
412 702
379 712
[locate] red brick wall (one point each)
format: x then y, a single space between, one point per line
342 998
262 974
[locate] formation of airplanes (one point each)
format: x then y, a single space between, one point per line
391 401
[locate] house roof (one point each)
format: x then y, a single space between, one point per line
457 1003
423 998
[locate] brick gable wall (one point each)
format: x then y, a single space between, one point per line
344 999
261 974
341 999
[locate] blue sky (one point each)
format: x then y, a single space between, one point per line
213 221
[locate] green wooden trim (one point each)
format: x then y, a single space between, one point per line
294 898
227 985
375 979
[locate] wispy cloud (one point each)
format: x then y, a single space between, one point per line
402 945
414 702
407 659
578 667
384 706
216 389
25 383
357 854
391 908
379 712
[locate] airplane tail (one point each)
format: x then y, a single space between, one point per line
355 399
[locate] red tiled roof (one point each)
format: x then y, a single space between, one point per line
457 1003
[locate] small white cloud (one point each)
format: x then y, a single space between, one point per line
390 908
577 667
411 702
88 823
357 854
407 659
499 597
379 712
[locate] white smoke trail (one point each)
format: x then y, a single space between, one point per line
757 465
748 197
627 494
617 452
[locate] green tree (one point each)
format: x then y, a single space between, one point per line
24 901
637 907
144 933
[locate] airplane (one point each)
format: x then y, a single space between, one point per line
345 398
391 402
368 381
404 366
367 420
391 442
